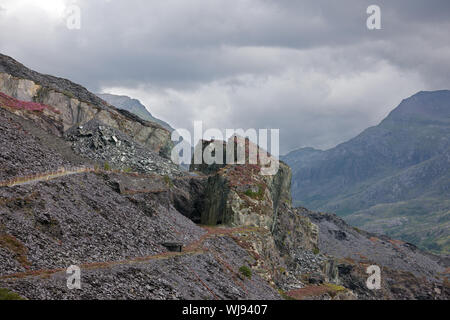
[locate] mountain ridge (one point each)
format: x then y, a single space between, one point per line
411 144
134 106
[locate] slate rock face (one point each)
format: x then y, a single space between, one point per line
239 194
339 239
201 276
105 144
17 70
76 105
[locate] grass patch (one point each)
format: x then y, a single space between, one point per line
255 195
334 289
246 271
69 94
357 230
168 181
6 294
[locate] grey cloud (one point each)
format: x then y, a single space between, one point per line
310 68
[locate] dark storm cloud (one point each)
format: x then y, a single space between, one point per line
310 68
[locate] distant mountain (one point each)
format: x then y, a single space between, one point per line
393 178
303 157
133 106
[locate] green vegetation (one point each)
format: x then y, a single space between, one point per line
316 251
421 221
357 229
41 94
106 166
68 94
334 289
245 271
6 294
255 195
168 181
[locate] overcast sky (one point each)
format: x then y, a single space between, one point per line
310 68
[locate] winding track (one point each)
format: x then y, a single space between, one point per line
18 181
193 248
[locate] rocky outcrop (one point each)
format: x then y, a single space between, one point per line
406 271
340 240
239 195
75 105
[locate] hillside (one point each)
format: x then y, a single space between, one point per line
393 178
133 106
83 183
